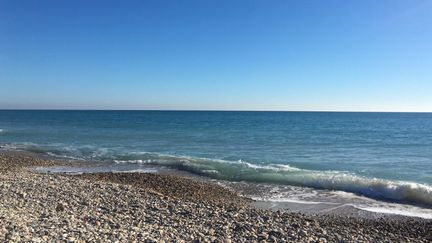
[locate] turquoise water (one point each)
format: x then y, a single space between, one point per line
378 155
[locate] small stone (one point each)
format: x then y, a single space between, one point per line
263 235
322 240
60 207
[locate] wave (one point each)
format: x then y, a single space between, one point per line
397 191
384 208
59 150
409 213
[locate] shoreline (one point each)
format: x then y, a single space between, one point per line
291 198
140 206
284 182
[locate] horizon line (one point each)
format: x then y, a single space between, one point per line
209 110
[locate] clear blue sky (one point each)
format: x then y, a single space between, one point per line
214 54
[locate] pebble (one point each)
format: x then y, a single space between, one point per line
155 208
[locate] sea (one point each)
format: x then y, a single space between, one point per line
379 162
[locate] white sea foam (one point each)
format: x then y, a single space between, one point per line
135 161
398 191
283 200
64 156
414 212
370 205
136 171
211 172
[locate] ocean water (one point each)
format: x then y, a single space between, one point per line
382 156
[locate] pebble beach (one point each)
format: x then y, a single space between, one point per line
145 207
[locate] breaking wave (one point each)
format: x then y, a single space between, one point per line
390 190
397 191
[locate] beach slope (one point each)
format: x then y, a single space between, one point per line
151 207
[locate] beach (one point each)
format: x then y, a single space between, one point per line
216 121
155 208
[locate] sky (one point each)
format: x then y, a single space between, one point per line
216 55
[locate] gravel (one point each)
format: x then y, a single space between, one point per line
113 207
